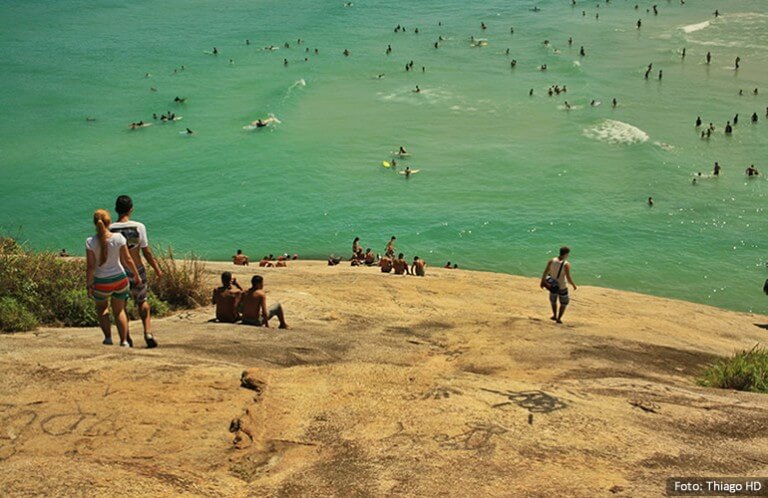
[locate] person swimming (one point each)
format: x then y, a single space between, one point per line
389 50
407 172
582 52
190 132
402 151
660 74
513 63
754 115
346 53
639 23
698 121
180 100
737 62
716 171
530 93
683 53
709 57
736 120
650 202
417 90
615 102
567 106
752 171
728 128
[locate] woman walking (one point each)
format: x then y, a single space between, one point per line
107 256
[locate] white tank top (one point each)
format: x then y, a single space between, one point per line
554 268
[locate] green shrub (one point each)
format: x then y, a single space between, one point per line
744 371
182 284
14 317
77 309
44 288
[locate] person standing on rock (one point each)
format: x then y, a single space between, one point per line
135 234
555 278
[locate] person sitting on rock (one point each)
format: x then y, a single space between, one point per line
255 309
240 259
227 298
418 267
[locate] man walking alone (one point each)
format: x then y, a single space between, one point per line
555 278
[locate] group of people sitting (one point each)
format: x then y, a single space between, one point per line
387 263
233 304
241 259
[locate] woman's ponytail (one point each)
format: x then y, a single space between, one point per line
102 220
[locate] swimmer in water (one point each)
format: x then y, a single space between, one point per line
530 93
408 172
389 49
615 102
543 67
639 23
247 41
683 53
402 151
582 52
735 120
285 62
346 53
754 115
436 45
570 41
660 74
483 26
709 57
717 13
180 100
752 171
567 106
716 171
190 132
513 63
698 121
736 64
650 202
215 51
418 90
593 103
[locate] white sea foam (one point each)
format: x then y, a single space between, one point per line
692 28
616 132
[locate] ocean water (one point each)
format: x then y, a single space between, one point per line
505 178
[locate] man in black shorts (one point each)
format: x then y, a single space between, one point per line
136 235
556 277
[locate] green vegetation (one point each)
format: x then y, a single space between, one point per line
744 371
182 284
40 288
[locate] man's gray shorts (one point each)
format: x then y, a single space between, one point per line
273 311
563 295
138 292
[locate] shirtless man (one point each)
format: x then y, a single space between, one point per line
390 249
135 234
418 266
227 298
560 270
401 265
255 309
386 264
240 259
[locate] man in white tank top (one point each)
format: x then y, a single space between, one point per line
556 277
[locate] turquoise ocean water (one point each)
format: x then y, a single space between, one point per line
505 178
